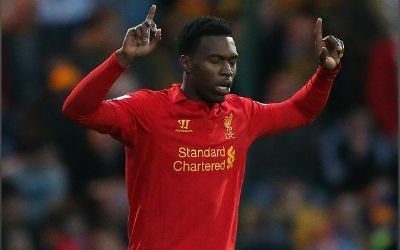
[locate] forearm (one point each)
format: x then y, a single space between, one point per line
311 98
87 96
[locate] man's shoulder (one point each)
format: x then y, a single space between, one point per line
232 98
149 94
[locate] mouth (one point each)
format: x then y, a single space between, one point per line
224 88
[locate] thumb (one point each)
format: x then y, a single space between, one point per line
326 60
323 55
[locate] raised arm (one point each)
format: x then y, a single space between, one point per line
304 106
309 101
86 104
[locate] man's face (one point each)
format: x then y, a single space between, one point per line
213 68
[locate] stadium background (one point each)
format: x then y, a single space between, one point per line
331 185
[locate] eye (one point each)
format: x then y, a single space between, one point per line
215 60
232 62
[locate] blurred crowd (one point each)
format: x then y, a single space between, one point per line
328 186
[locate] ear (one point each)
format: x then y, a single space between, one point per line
186 63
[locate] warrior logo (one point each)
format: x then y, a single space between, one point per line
183 126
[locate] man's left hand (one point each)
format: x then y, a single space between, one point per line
329 50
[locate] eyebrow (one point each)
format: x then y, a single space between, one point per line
235 56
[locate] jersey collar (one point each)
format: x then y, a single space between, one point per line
176 95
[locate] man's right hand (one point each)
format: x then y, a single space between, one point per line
137 41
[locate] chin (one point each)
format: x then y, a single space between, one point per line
214 98
219 99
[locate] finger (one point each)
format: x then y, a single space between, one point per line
327 61
334 48
151 25
132 33
145 33
340 47
137 34
318 33
331 43
341 53
157 38
151 13
342 43
158 35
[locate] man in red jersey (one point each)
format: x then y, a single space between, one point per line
186 146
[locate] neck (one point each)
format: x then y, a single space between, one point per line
188 89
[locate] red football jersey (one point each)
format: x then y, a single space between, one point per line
185 161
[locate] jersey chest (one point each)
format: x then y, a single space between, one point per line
200 128
201 142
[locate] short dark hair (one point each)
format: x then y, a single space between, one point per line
192 32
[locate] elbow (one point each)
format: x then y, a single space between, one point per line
306 119
308 114
309 120
305 116
69 111
309 117
66 110
75 114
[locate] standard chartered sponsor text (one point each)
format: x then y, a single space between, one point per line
204 160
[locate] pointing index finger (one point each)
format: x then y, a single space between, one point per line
318 31
151 13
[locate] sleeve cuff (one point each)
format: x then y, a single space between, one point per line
114 62
323 71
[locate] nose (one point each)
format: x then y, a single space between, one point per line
226 69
